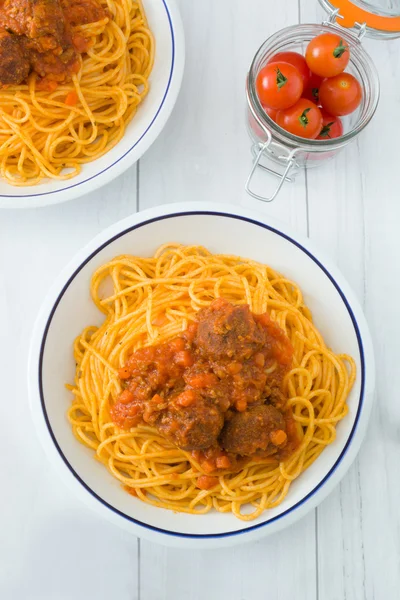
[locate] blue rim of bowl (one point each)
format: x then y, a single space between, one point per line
258 525
70 187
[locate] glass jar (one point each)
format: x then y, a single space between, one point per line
278 151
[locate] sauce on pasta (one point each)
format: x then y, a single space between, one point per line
214 390
38 36
72 76
207 386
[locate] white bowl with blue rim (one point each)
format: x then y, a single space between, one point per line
165 82
68 309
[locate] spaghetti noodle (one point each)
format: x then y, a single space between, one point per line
52 133
147 301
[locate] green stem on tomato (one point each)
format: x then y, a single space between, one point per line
303 117
281 80
339 50
326 130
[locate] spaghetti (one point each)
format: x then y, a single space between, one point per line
148 301
52 133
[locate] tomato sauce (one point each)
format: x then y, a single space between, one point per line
38 36
215 390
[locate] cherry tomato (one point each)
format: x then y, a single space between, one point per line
303 119
327 55
271 112
297 60
332 127
279 85
311 92
340 95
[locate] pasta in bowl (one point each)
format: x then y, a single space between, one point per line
216 391
85 88
207 383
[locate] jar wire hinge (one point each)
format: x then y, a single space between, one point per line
290 158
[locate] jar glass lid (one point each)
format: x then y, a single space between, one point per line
381 18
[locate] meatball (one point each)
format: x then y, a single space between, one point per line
226 330
14 65
194 427
247 432
47 23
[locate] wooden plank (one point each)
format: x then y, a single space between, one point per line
281 566
204 150
204 154
354 211
52 545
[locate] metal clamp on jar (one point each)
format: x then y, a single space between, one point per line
281 153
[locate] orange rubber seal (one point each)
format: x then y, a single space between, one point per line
354 14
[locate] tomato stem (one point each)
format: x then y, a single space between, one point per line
281 80
339 50
303 117
326 130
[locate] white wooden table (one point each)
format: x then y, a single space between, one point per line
51 546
